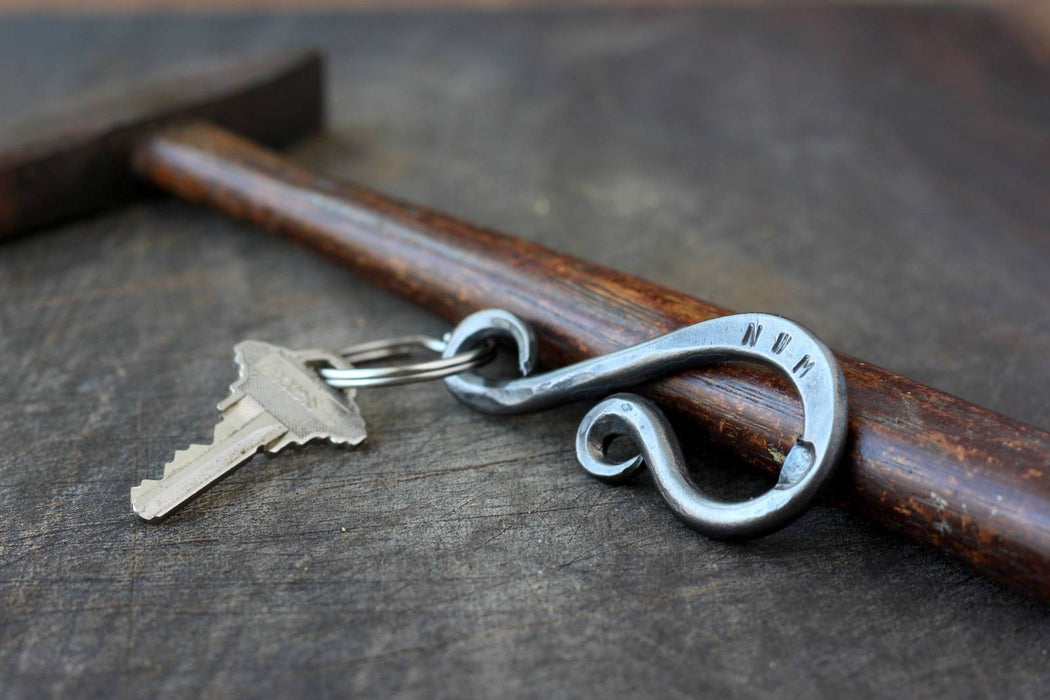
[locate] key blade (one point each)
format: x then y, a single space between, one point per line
198 467
237 412
235 415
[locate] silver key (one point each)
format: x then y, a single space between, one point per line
279 400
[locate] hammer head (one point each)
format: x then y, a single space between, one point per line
78 158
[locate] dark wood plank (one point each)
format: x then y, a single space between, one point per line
457 554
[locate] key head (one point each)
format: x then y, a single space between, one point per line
288 387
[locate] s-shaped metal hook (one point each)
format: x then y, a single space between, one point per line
762 338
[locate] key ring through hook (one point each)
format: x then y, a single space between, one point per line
403 374
763 338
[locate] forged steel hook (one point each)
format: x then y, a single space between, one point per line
763 338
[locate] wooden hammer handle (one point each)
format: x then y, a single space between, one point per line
947 473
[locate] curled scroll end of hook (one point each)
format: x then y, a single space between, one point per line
605 422
491 323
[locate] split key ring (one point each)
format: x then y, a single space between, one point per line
345 378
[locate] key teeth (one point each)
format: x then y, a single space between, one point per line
144 485
185 456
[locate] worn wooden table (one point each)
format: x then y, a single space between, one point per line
880 176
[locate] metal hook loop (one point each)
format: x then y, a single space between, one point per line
763 338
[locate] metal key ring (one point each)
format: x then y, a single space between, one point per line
403 374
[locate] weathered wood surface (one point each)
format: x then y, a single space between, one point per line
458 554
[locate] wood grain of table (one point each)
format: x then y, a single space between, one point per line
879 175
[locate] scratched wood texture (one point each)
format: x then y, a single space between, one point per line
775 161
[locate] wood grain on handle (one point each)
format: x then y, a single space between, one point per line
949 474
